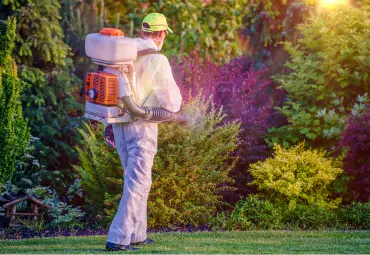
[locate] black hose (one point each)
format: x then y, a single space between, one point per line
153 114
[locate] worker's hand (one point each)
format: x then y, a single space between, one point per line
182 119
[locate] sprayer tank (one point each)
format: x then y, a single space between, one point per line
111 49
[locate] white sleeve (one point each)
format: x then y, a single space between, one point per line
164 85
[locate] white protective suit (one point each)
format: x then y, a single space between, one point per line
136 143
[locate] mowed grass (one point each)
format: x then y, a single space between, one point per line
327 242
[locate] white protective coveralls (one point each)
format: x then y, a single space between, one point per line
136 143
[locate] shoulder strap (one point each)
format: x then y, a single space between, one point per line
144 53
147 52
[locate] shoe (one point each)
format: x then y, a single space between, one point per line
146 241
118 247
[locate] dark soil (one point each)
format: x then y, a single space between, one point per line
24 233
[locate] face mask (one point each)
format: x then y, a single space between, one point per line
159 47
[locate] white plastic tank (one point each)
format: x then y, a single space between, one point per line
111 46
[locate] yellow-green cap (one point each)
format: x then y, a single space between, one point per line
156 22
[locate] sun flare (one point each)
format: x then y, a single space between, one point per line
330 3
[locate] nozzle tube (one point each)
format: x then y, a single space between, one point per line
153 114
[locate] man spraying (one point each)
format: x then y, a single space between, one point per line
136 142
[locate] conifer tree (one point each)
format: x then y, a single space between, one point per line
14 132
46 72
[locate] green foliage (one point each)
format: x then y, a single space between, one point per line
356 215
14 132
262 214
267 23
65 216
81 18
210 25
191 164
98 164
310 217
46 73
329 69
188 173
84 17
221 221
296 176
253 212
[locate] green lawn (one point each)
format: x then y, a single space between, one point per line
210 242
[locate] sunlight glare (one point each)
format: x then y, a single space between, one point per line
331 3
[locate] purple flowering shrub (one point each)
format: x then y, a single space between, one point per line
356 139
244 96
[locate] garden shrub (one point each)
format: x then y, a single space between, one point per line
355 215
355 140
254 212
244 96
66 216
251 212
310 217
261 213
329 68
221 221
189 171
98 162
296 176
14 132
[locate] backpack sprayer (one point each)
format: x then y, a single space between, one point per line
110 91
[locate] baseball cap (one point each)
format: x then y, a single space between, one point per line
155 22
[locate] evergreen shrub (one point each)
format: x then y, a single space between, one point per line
14 132
98 162
296 176
189 171
260 213
46 73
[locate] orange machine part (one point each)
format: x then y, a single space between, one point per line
105 84
111 32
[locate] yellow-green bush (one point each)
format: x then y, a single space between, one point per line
296 176
190 169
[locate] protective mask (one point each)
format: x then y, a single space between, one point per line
159 47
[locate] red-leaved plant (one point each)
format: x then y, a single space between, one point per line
356 138
244 96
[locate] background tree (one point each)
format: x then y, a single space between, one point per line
46 72
210 25
14 132
269 22
328 73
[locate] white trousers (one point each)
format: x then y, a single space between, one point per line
136 144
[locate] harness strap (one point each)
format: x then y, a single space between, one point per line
147 52
143 53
